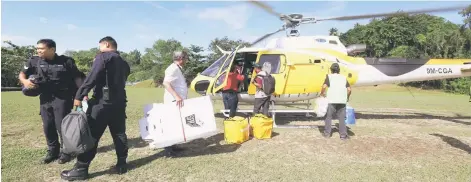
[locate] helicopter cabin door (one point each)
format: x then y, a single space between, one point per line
306 75
274 64
221 78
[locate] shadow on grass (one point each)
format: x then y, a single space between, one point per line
455 119
454 142
286 118
132 143
281 118
336 129
198 147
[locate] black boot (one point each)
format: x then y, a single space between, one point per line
64 158
121 166
50 156
79 172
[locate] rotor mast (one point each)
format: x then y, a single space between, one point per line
292 21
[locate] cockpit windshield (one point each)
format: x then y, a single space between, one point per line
213 70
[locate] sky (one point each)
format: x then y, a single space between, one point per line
79 25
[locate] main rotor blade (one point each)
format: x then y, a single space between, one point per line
267 8
266 36
356 17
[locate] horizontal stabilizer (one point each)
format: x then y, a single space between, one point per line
466 69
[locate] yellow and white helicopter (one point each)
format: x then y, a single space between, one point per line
299 64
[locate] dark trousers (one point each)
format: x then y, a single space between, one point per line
263 103
340 111
103 115
231 100
52 113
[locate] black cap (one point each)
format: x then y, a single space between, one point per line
256 65
335 66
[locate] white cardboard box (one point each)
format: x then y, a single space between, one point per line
166 124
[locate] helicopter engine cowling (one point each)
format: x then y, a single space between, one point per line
356 48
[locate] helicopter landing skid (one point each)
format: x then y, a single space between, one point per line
273 110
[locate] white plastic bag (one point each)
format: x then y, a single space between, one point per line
321 106
85 105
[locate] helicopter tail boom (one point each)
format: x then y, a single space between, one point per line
385 71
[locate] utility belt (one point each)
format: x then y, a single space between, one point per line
49 87
108 94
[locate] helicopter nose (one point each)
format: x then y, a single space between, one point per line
200 85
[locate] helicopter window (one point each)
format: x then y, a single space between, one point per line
220 80
227 63
332 42
320 40
270 63
212 70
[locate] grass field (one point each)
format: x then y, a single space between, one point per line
398 136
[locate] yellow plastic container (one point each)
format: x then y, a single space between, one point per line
262 126
236 130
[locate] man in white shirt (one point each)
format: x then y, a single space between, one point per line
176 89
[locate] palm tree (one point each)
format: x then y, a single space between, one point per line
333 32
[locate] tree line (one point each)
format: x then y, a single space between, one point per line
401 35
416 36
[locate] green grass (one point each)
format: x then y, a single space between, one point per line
397 137
144 84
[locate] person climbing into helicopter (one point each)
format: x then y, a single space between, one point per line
229 92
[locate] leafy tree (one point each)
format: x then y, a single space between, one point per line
333 32
13 60
401 35
226 44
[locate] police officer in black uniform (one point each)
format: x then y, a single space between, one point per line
107 107
58 78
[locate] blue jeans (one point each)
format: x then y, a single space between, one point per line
231 100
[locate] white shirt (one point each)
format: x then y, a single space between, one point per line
177 80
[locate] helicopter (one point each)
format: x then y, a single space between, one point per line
300 64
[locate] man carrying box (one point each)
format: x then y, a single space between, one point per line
176 89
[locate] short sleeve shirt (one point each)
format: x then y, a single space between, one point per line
174 75
259 93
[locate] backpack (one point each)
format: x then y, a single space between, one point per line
76 134
268 84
